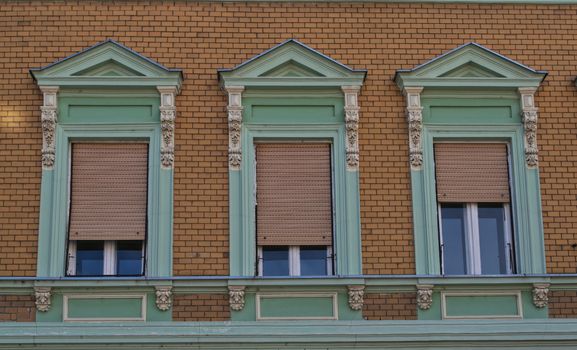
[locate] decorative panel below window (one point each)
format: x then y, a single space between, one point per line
472 172
294 204
108 198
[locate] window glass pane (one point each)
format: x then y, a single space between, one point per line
313 261
454 246
89 258
128 258
492 241
275 261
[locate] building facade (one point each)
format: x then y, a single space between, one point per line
295 175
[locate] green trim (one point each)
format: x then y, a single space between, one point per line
458 334
54 197
470 66
107 64
527 222
291 64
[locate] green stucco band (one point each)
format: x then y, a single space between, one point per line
489 123
107 308
55 313
481 305
293 111
297 307
106 117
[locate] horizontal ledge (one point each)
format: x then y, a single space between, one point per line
309 332
220 283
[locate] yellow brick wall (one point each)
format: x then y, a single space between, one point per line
563 304
202 37
390 306
17 308
200 307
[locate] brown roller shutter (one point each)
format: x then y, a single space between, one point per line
472 172
293 194
108 191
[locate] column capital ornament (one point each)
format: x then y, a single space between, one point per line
424 296
43 298
541 295
234 109
356 297
530 115
236 297
414 113
163 298
352 126
167 122
48 119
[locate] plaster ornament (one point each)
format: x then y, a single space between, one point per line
236 297
356 297
163 298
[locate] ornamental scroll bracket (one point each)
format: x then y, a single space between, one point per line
234 110
163 298
414 112
49 117
424 296
356 297
236 297
167 122
42 298
541 295
352 126
530 114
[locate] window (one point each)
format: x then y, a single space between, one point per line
98 258
108 208
294 208
295 261
473 197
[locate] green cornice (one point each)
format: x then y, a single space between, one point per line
470 66
107 64
447 334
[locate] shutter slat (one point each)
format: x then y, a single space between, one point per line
294 194
108 191
472 172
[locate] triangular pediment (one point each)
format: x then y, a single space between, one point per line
107 64
470 65
291 64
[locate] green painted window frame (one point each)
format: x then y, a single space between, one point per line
346 242
54 188
526 200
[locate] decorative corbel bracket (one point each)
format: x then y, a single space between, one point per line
167 122
163 298
541 295
49 117
43 298
414 112
234 109
530 114
424 296
356 297
352 126
236 297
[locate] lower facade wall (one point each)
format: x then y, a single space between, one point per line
563 304
393 306
200 307
17 308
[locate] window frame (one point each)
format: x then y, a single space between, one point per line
110 260
54 243
524 186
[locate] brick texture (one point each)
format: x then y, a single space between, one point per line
394 306
563 304
201 307
17 308
200 37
